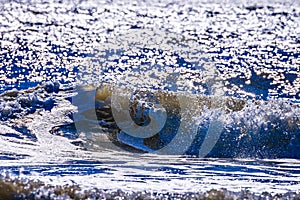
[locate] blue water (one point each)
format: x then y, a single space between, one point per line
211 50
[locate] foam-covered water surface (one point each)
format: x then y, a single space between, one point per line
166 97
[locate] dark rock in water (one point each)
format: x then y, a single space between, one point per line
253 8
52 87
78 143
67 130
29 100
11 93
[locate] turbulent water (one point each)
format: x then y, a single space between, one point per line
201 95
